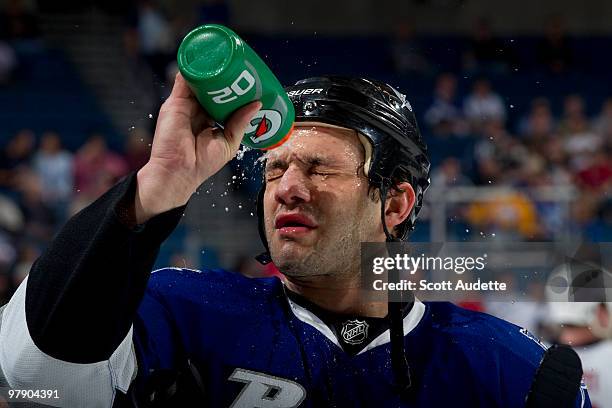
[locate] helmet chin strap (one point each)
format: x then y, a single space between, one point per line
395 307
264 258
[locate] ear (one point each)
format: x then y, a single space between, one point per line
399 203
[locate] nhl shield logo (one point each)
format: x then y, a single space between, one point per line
354 331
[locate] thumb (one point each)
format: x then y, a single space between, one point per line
236 125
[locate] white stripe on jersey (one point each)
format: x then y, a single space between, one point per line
25 366
410 322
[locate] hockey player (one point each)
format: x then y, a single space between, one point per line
587 327
93 322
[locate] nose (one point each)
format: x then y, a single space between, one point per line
293 187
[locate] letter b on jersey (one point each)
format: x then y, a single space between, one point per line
266 391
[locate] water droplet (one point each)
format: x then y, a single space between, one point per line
150 116
226 209
240 206
467 230
241 152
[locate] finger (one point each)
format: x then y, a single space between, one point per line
182 99
180 88
235 127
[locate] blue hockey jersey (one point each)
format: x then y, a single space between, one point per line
252 346
92 322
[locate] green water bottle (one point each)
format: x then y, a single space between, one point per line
225 74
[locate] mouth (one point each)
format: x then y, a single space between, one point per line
291 225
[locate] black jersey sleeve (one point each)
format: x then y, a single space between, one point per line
83 292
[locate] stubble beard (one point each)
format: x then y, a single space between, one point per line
335 257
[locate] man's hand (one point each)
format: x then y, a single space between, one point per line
187 150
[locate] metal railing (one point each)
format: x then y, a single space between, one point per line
440 199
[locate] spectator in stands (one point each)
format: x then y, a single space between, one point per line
54 167
498 155
557 161
39 218
137 148
510 215
597 175
483 105
554 51
8 62
580 141
8 252
444 116
449 174
28 253
486 54
11 218
574 117
16 154
96 169
406 51
155 37
603 123
587 327
539 123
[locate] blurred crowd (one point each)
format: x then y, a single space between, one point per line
42 185
152 33
473 144
476 139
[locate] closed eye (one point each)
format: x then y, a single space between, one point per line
320 173
272 178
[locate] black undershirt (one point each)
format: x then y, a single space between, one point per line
84 291
353 332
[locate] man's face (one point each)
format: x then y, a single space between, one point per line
317 208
